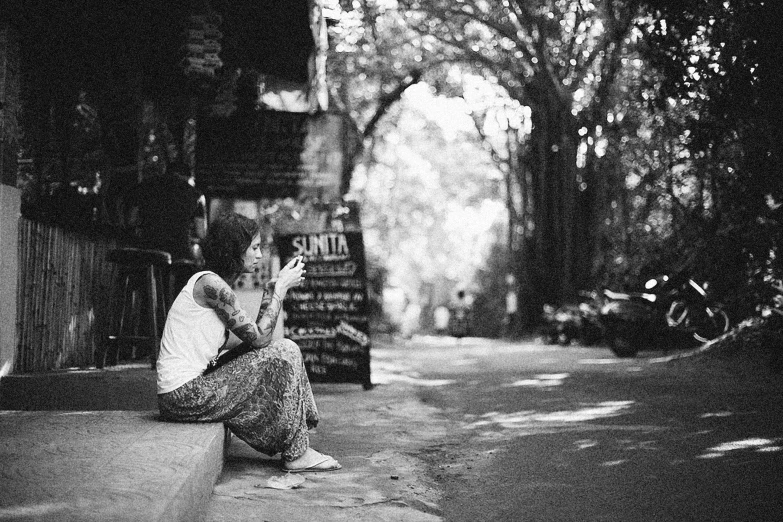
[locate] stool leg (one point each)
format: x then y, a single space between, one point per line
164 303
153 314
109 343
163 311
127 307
135 304
119 309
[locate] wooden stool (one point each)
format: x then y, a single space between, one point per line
138 299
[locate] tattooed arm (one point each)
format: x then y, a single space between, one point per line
266 300
270 314
213 292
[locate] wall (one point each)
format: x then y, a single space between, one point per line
10 199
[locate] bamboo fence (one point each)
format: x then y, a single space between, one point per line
63 297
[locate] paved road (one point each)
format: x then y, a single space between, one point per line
547 433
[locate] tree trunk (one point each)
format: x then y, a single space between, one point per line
549 252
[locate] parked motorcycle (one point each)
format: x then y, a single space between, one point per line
578 322
671 310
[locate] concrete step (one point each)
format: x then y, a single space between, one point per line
106 465
125 387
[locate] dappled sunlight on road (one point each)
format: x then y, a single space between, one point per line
585 444
541 381
387 371
477 346
613 463
716 414
608 360
447 340
380 377
463 362
40 511
528 419
757 445
584 435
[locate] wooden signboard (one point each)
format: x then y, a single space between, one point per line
271 154
327 316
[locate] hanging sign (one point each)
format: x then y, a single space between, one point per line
202 45
327 316
271 154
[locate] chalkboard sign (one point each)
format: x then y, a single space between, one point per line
327 316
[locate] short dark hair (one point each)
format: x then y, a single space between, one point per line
228 237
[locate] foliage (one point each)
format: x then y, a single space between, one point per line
371 52
720 58
555 60
489 304
672 111
696 174
651 193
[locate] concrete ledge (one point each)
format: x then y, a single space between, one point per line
126 387
106 465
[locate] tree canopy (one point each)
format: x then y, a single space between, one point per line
636 136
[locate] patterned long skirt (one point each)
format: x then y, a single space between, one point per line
262 396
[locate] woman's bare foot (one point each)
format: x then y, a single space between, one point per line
312 460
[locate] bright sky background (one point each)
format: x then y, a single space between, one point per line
467 226
452 114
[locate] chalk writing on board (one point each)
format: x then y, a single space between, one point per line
327 316
353 334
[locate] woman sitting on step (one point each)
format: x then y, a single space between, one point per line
260 390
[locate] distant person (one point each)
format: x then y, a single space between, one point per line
166 212
441 320
258 389
459 323
509 321
410 319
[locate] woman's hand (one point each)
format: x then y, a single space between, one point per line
292 274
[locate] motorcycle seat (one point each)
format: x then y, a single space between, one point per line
616 295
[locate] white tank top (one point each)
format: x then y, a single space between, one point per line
191 338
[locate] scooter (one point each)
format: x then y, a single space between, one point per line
578 322
672 310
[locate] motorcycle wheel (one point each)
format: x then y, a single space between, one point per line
591 336
712 324
622 347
